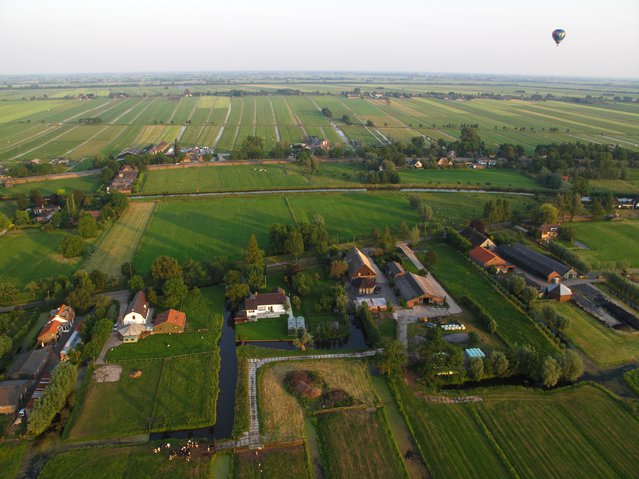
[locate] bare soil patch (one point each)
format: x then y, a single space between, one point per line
108 374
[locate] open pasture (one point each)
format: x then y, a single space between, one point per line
30 254
607 240
88 184
119 242
575 431
171 393
358 444
127 462
271 464
603 345
11 456
207 227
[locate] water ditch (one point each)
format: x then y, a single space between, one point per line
225 406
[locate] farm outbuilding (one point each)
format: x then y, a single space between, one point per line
359 266
474 353
12 393
419 290
539 264
560 292
171 321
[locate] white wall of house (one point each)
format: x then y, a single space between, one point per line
133 318
267 310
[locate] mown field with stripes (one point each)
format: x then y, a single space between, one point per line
50 128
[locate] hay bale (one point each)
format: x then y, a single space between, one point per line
135 373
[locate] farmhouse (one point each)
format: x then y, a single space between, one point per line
393 269
30 364
359 266
135 322
486 258
548 232
267 305
44 214
560 292
159 148
60 321
12 393
314 143
419 290
444 162
541 265
414 163
364 285
123 182
477 239
170 321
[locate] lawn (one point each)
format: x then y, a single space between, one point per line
172 393
31 254
119 242
263 329
11 456
575 432
88 184
607 240
282 416
271 464
600 343
358 444
126 462
460 278
632 378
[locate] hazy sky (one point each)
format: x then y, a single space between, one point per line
481 36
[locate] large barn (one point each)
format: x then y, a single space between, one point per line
419 290
539 264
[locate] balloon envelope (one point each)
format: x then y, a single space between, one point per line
558 35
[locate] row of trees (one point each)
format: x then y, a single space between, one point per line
623 287
568 256
63 379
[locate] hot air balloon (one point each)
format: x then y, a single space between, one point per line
558 35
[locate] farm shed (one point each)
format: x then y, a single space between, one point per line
374 304
71 344
394 269
541 265
477 239
296 325
29 364
560 292
12 394
418 290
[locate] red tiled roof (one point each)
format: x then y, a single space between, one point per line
483 256
50 327
172 316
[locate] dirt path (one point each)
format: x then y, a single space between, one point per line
277 128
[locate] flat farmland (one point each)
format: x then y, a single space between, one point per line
600 343
157 133
119 243
271 464
30 254
203 228
629 185
606 239
108 462
460 278
468 178
580 431
88 184
282 416
358 444
171 393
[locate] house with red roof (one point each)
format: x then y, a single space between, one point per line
486 258
60 321
171 321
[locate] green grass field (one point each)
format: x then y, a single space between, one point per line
271 464
31 254
88 184
11 455
264 329
603 345
627 186
118 243
358 444
130 462
580 431
460 278
203 228
632 378
607 239
172 393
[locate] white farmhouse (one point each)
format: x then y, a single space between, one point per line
267 305
138 310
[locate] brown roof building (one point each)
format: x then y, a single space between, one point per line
266 305
12 393
486 258
170 321
394 269
477 239
548 232
359 266
419 290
